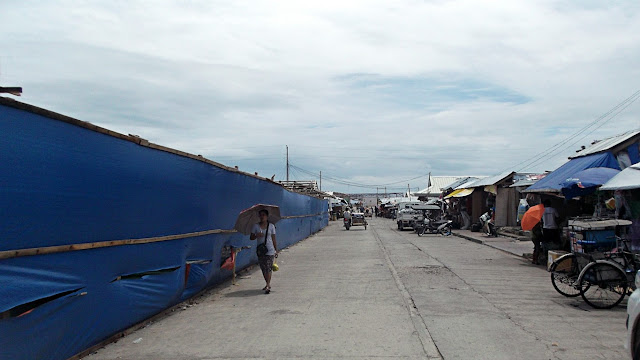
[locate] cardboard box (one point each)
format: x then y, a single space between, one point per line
553 255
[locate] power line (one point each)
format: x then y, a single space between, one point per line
351 183
557 147
587 134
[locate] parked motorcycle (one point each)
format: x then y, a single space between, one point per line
434 227
488 227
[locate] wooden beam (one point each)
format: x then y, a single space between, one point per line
11 90
7 254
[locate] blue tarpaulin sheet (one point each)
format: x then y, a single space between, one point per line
63 184
634 153
552 182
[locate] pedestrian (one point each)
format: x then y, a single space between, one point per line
550 230
264 231
536 238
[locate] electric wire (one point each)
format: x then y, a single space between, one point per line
559 150
351 183
557 147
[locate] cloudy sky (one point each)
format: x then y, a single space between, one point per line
371 92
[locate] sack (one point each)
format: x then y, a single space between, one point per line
262 250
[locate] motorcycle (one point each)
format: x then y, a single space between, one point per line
434 227
488 227
347 223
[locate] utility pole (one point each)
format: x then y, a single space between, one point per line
408 192
385 191
287 162
320 180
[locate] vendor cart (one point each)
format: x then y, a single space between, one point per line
600 267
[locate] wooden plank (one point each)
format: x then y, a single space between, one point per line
17 91
7 254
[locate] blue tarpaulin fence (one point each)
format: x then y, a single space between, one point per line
64 182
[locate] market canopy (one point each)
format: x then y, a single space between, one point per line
627 179
587 181
552 182
459 193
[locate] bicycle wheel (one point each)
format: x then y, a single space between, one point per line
607 284
564 276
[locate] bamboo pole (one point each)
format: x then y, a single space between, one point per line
8 254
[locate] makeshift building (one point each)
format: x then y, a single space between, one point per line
617 152
436 187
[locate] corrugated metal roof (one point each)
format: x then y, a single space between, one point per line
525 182
437 183
460 181
469 183
491 180
606 144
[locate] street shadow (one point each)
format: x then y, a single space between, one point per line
245 293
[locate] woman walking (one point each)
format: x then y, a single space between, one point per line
265 233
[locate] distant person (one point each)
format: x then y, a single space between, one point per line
264 231
550 230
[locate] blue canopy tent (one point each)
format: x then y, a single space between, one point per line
587 181
553 181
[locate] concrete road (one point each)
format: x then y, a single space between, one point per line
381 293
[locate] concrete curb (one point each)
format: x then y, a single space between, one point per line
478 241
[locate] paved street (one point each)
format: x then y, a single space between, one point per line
381 293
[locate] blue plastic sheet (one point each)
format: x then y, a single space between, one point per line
64 184
552 182
587 181
634 153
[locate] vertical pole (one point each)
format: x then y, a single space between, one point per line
287 162
320 180
385 191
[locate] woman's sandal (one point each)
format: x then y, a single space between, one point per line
267 290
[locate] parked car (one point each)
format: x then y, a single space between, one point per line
633 322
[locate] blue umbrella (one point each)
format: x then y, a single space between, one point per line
587 181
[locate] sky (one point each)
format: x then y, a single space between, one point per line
368 92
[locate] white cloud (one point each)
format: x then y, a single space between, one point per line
236 81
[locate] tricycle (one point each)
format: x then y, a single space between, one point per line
357 219
602 278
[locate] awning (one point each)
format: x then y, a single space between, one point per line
453 193
491 189
627 179
551 182
459 193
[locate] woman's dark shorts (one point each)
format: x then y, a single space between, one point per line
266 263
